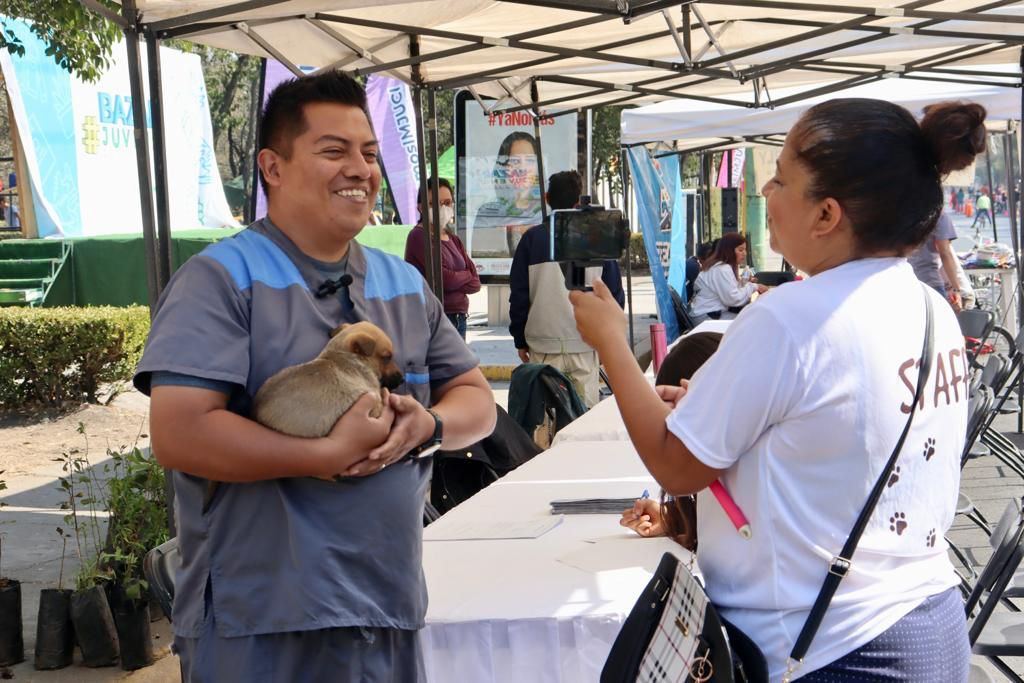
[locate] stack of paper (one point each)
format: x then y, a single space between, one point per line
591 506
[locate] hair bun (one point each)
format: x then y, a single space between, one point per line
956 133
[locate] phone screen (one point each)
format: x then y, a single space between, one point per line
588 235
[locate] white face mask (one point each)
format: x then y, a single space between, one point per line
447 215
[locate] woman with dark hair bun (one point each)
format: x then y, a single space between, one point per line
799 409
718 289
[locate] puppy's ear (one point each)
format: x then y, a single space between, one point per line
337 330
361 343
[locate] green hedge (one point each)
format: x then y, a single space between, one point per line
52 358
638 253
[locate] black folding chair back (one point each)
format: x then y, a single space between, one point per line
976 323
774 278
996 575
996 372
978 408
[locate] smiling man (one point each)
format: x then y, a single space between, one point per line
288 577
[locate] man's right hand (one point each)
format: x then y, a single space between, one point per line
357 433
524 355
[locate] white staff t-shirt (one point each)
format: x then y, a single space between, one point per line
802 405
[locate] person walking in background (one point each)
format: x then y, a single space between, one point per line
540 316
458 272
983 209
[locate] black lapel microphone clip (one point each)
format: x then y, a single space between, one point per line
329 287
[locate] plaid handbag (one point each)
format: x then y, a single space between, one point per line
674 634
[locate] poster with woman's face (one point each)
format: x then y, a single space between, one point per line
499 184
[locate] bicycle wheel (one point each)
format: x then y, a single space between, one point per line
998 341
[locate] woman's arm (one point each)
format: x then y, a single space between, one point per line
601 324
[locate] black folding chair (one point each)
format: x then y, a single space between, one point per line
998 634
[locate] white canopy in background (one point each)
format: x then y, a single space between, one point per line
585 52
692 125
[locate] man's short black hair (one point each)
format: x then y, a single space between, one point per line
564 189
283 117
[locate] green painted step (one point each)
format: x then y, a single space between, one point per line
25 283
30 249
11 269
20 297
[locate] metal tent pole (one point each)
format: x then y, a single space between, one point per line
542 179
131 35
624 176
991 186
161 186
417 106
437 281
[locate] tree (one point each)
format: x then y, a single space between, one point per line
78 39
605 147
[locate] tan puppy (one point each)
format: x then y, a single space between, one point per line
306 400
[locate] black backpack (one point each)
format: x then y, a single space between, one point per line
541 396
462 473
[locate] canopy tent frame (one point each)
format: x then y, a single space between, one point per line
685 74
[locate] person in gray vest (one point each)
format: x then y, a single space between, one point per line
285 576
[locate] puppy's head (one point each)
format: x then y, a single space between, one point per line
369 341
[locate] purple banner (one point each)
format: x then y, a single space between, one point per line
391 112
276 72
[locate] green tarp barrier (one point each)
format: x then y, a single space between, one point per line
110 270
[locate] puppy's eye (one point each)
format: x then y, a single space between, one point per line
385 357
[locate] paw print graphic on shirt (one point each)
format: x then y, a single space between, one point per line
894 477
929 448
898 523
931 539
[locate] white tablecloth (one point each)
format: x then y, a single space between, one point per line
544 609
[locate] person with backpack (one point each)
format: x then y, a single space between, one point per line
541 319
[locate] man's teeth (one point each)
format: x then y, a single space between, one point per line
361 194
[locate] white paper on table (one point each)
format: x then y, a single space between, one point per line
484 530
611 553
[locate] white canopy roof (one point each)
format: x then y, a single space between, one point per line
586 52
693 125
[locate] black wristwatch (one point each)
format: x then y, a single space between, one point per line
432 444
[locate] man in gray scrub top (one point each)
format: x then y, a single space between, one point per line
287 577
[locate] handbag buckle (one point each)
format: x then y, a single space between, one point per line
840 566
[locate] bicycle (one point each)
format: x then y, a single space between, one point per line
999 340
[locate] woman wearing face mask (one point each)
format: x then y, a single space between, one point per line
459 274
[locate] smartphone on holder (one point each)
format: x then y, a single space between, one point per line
587 237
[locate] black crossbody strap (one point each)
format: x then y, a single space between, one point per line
840 566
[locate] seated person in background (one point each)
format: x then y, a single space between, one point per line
718 286
695 263
541 320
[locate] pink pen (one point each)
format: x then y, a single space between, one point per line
732 510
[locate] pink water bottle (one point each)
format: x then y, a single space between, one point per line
659 345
